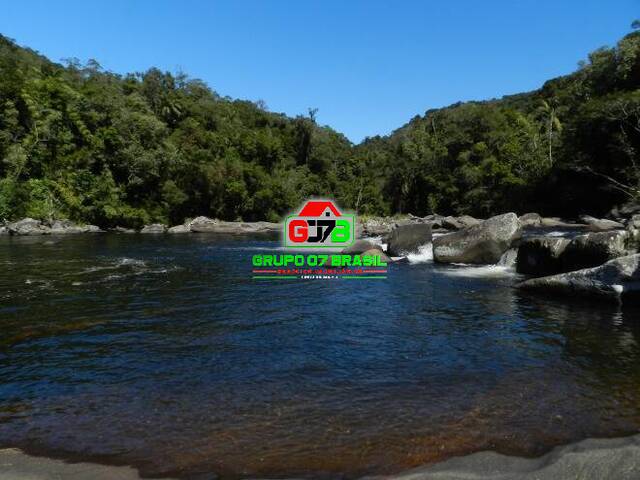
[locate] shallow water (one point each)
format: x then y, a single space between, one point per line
161 352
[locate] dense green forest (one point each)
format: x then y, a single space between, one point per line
82 143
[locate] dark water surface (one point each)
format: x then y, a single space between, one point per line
161 352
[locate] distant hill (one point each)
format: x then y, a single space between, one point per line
81 143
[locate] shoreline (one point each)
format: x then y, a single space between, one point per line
589 459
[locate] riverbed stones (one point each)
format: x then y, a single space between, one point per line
154 228
616 280
28 226
541 256
480 244
406 239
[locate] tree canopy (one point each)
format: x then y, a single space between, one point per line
82 143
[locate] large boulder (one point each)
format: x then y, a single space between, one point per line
123 230
459 223
154 228
593 249
359 246
616 280
600 224
406 239
482 243
541 255
28 226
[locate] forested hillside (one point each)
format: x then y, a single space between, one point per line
93 146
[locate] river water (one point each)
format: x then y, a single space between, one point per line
161 352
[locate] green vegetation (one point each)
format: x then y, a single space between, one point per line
80 143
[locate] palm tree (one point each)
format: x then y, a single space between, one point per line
551 125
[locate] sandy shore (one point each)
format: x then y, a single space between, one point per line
593 459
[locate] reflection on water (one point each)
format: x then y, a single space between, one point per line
161 352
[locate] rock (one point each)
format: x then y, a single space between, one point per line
378 253
184 228
28 226
65 227
615 280
530 220
458 223
624 211
600 225
541 255
124 230
374 227
4 230
408 238
557 222
208 225
482 243
592 249
634 222
359 246
154 228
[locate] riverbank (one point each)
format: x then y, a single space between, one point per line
591 459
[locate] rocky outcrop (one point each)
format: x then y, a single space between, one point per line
359 246
541 255
407 239
28 226
600 224
594 249
555 222
531 220
154 228
482 243
616 280
459 223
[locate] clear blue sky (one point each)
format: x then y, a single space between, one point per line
368 66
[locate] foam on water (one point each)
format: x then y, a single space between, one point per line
424 255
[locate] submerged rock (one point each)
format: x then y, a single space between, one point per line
541 255
408 239
28 226
616 280
482 243
154 228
